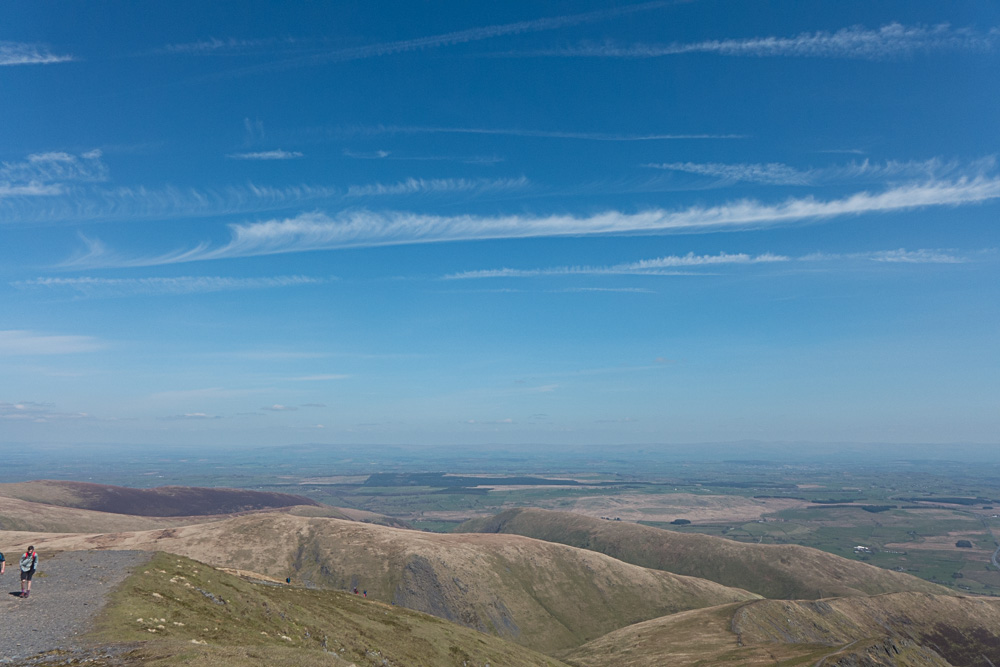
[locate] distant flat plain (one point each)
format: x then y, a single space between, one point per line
908 505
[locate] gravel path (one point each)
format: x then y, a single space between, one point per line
67 592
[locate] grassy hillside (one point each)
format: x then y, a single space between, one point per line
185 612
898 629
165 501
348 514
773 571
542 595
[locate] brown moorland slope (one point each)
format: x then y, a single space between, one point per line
26 516
539 594
164 501
22 515
772 571
179 611
896 629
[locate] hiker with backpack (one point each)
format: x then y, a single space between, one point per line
29 563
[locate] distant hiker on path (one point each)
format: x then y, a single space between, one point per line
29 563
3 564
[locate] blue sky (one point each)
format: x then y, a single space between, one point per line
468 223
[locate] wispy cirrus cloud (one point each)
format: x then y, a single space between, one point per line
25 342
214 46
525 132
449 39
856 42
319 231
776 173
897 256
112 287
266 155
388 155
421 185
669 265
280 408
30 190
131 203
49 174
20 53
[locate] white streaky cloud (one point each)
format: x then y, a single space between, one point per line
47 174
623 290
661 266
280 408
266 155
450 39
643 267
23 342
771 173
19 53
231 46
91 286
132 203
372 155
857 42
487 160
319 378
420 185
898 256
30 190
318 231
543 134
914 257
782 174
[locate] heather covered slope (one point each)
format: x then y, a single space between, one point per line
164 501
542 595
26 516
773 571
184 612
897 629
45 517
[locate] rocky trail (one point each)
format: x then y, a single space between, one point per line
67 593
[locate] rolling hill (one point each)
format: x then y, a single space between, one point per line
164 501
539 594
179 611
896 629
772 571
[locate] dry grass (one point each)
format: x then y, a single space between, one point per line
902 628
22 515
773 571
184 612
542 595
